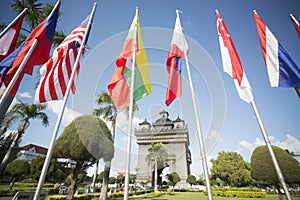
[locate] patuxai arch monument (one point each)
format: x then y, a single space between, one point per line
174 137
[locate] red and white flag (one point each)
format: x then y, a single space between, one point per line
178 51
9 39
56 72
231 62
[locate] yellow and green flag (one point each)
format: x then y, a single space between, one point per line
119 86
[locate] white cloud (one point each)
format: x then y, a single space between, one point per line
122 122
26 95
69 114
290 142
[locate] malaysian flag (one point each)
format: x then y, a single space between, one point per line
56 72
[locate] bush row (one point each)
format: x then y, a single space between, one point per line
7 192
22 184
90 196
246 189
240 194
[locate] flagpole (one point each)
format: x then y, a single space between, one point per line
17 74
268 144
294 19
202 150
51 147
13 22
128 150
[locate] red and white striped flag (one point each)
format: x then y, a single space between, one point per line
56 72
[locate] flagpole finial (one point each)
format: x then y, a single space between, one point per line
254 11
217 12
178 11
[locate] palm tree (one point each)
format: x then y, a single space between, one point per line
21 113
36 13
157 154
109 112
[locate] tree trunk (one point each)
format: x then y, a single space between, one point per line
280 195
107 165
6 105
103 195
155 175
73 186
95 176
12 183
9 152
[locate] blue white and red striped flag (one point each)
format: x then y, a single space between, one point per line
9 39
177 52
56 72
44 33
231 62
282 70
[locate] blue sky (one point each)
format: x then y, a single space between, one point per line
227 122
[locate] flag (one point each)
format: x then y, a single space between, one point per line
177 52
56 72
119 86
44 33
282 70
297 27
231 62
7 62
296 24
9 39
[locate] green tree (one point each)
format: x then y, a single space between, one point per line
56 171
232 169
173 179
21 113
156 156
109 112
100 177
191 179
263 170
5 142
17 169
120 179
85 140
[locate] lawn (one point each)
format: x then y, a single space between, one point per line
200 196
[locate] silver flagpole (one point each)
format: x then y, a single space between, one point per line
128 150
202 150
13 22
294 19
268 143
17 74
51 147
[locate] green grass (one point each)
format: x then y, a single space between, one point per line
198 196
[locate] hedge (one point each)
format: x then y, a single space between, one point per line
24 184
238 192
91 195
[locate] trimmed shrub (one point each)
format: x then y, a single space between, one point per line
156 193
238 192
169 190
